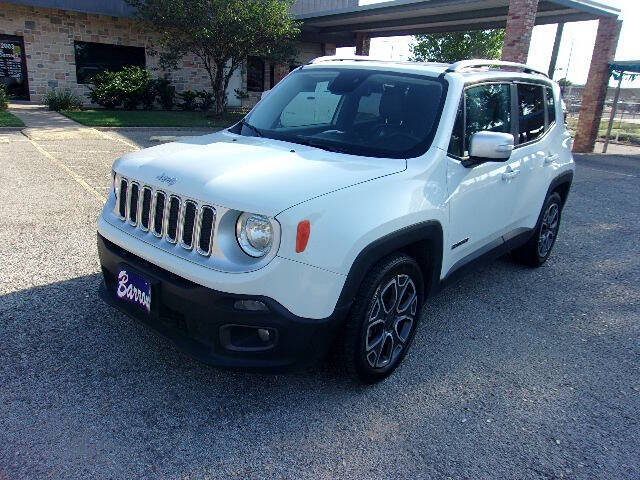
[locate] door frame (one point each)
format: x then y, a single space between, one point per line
23 55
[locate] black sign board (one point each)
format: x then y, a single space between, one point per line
13 67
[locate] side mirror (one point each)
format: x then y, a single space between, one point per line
491 146
264 94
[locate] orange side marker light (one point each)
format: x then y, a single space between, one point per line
302 237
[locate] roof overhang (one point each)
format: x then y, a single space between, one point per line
411 17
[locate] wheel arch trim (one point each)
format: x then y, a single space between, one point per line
429 231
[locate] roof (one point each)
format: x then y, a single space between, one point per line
467 70
410 17
625 66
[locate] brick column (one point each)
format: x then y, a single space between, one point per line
363 42
520 22
595 90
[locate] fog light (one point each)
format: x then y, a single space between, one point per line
251 305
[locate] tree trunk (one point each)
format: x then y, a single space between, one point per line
219 89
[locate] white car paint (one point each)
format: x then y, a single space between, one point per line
350 201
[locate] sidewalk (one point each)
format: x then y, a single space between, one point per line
43 124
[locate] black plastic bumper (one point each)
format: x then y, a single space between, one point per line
192 316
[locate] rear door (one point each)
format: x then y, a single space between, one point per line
480 196
534 150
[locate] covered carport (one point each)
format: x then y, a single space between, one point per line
355 26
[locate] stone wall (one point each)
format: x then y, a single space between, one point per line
49 37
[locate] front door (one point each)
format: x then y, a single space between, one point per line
480 196
13 67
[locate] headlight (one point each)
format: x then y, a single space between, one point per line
255 234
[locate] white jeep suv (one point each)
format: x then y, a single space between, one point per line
353 191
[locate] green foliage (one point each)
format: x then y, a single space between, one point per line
62 99
221 34
188 100
129 87
166 92
207 100
454 46
4 98
563 82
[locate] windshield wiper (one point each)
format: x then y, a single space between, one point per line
312 142
244 123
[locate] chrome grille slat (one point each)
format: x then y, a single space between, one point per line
170 217
133 203
122 199
159 207
173 216
145 208
188 223
204 237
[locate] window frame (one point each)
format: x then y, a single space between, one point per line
262 74
515 113
88 81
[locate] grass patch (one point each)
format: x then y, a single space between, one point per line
153 118
9 120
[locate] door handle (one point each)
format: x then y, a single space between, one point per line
549 159
506 176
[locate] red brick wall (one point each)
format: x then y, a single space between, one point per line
595 90
520 22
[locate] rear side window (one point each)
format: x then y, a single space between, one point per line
531 105
485 108
551 105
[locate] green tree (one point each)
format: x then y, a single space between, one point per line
220 33
454 46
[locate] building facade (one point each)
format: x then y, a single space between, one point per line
49 44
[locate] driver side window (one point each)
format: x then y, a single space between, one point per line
484 108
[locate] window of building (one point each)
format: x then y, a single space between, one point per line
551 106
255 74
531 107
93 58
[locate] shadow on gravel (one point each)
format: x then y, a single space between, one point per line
84 385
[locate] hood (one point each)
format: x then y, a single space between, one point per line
251 174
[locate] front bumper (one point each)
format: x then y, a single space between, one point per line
197 319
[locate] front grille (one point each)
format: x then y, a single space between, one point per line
170 217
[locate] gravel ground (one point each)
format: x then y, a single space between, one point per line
515 373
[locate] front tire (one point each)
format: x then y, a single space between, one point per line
537 250
383 319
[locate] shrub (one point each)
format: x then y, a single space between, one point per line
62 99
148 95
166 92
105 90
129 86
206 100
189 100
4 98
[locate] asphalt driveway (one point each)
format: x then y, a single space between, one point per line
515 373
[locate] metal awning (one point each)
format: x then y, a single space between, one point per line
410 17
624 66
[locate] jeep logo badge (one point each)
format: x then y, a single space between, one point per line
164 178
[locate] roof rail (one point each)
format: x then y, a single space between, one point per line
464 64
351 58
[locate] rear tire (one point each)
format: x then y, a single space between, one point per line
536 251
383 319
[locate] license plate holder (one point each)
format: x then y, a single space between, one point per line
133 288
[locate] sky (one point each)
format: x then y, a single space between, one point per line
576 47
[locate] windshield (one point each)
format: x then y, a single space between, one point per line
361 112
